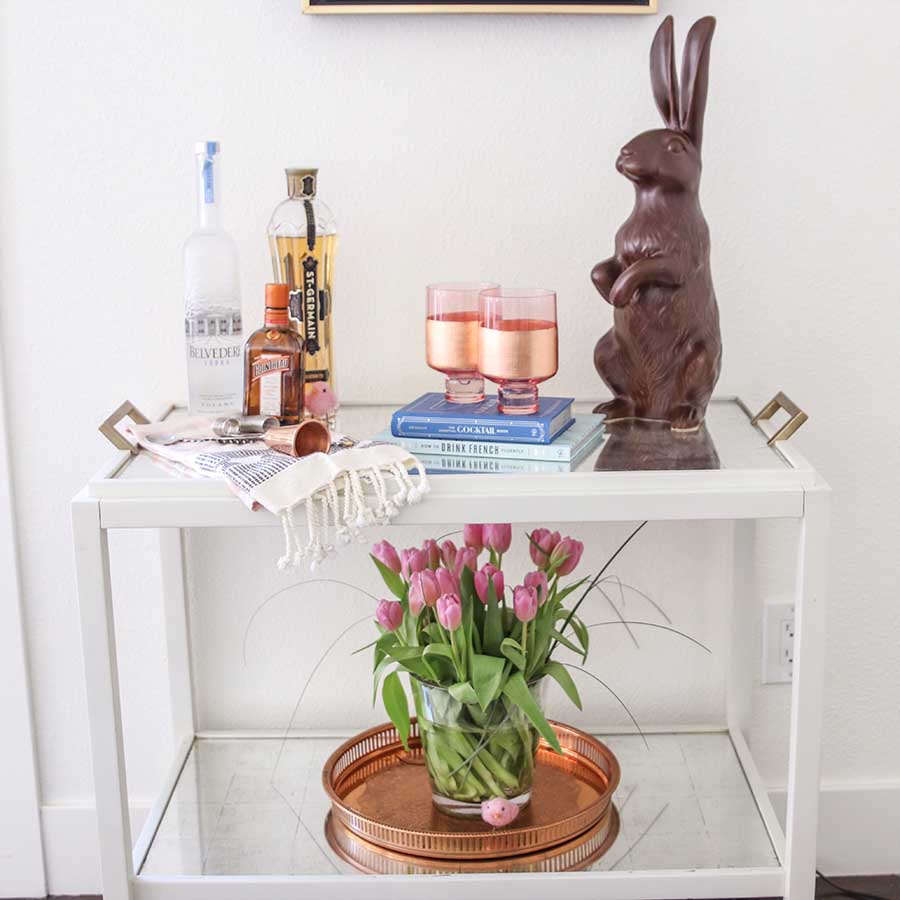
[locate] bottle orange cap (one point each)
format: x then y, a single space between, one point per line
277 296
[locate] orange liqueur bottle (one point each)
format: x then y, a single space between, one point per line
273 363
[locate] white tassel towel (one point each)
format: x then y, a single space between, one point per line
342 492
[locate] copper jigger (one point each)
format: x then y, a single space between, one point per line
310 436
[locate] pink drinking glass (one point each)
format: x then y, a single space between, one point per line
451 338
517 344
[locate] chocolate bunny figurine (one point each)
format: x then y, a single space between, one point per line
662 356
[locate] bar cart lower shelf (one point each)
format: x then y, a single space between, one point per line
252 809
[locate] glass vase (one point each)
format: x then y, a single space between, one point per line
474 754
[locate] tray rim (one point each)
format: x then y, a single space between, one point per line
581 821
488 863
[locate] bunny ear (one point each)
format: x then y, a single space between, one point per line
662 73
695 77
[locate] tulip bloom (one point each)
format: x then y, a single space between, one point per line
423 591
412 560
541 545
488 575
449 611
386 554
499 812
432 553
389 614
466 558
473 536
448 553
538 581
566 555
497 537
448 583
525 603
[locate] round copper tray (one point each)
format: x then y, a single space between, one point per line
573 855
381 793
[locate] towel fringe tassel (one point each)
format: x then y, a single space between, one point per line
325 511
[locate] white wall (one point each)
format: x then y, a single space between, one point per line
456 147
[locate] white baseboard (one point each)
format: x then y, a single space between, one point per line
71 855
859 826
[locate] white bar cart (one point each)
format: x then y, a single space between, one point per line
746 478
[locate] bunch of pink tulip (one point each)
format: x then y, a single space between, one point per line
456 623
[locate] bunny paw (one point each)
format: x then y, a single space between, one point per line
686 417
615 409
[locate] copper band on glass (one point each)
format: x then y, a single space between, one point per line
451 343
528 354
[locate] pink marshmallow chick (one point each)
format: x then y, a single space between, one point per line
319 399
499 812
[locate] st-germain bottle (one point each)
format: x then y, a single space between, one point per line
273 363
212 300
302 240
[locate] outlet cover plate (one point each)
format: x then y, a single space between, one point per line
778 642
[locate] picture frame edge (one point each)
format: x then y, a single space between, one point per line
487 8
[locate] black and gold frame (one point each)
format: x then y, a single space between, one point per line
477 6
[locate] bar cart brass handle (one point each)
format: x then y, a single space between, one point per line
781 401
108 427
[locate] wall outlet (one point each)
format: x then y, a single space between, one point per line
778 643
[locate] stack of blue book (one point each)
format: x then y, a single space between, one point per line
450 437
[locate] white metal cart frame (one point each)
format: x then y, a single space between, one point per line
169 504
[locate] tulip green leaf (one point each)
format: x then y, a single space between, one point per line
517 692
464 692
543 625
562 594
410 658
560 674
382 646
394 697
582 634
443 652
467 584
469 598
365 647
405 654
512 650
565 642
395 583
487 673
493 624
380 669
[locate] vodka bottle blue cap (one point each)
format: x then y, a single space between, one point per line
206 148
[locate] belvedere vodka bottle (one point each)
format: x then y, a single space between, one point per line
212 301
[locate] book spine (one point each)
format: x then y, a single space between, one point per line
441 465
503 431
500 434
487 449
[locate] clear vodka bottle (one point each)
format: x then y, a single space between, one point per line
212 301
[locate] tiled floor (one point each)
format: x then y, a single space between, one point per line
258 807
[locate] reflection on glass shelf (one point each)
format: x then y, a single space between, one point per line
727 440
257 807
639 446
